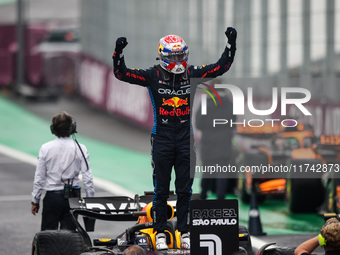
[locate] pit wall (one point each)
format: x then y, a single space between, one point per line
99 86
33 62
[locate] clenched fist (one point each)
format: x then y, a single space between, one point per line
231 34
121 43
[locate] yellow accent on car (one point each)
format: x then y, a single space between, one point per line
105 240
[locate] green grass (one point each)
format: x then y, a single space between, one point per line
6 1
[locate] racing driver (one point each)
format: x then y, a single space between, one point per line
168 84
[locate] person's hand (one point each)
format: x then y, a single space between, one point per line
231 34
121 43
35 209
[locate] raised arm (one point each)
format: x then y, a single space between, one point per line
134 76
223 64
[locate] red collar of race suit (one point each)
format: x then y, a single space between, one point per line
167 75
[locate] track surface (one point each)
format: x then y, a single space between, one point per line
17 224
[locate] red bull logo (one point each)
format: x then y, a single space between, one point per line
175 102
173 39
174 111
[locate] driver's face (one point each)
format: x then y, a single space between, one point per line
177 58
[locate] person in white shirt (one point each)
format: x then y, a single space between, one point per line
59 164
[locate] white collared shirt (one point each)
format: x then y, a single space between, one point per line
61 160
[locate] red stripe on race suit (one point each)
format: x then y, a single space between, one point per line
211 71
132 75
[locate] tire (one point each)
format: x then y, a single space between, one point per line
304 195
57 242
252 158
278 251
245 197
246 244
330 203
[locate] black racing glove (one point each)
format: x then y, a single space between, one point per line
121 44
231 34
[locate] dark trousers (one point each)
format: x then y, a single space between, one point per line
221 183
166 154
56 210
220 186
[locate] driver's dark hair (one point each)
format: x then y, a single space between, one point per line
62 124
134 250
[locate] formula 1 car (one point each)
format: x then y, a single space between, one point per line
329 147
118 208
296 147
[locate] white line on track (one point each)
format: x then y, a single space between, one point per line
18 155
104 184
15 198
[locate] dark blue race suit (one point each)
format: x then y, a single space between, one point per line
170 138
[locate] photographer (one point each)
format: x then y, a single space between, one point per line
59 164
329 238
